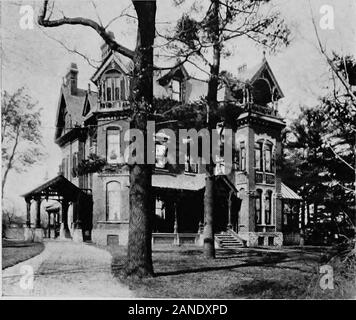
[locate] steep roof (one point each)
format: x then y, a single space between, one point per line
253 73
289 194
57 186
73 104
90 104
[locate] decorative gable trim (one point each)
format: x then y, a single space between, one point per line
265 66
113 61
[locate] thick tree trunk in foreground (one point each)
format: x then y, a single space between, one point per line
209 247
139 260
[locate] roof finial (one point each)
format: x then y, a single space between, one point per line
264 55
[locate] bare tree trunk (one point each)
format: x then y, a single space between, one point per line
9 164
209 247
139 260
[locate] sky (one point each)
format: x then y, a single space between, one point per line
34 58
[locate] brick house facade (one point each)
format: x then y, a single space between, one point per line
249 198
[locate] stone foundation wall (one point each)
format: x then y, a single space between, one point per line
105 234
262 239
291 238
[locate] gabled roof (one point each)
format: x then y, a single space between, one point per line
73 105
289 194
166 75
90 103
252 74
58 186
124 63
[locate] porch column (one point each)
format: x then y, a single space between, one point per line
28 212
49 225
38 231
27 231
64 230
38 213
175 228
229 224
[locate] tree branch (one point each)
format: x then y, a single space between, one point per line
84 22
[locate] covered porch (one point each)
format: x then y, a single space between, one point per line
292 216
179 208
66 194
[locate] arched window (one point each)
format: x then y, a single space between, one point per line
258 206
113 201
268 207
113 145
113 88
268 157
261 92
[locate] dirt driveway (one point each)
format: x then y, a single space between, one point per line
65 269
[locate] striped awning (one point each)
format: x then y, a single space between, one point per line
289 194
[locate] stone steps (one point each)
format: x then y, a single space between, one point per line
228 241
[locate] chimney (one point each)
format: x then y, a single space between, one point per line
105 50
72 78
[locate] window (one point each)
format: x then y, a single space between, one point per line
161 156
113 89
258 206
74 164
268 207
258 156
113 201
189 166
176 90
113 145
268 158
160 209
243 156
236 160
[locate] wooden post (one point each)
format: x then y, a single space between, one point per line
38 213
49 225
28 212
175 228
229 224
64 230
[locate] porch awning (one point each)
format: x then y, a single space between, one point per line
180 181
56 187
289 194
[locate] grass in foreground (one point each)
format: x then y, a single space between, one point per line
183 272
14 252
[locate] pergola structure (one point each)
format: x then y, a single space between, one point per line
61 190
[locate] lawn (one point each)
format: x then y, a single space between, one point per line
14 252
183 272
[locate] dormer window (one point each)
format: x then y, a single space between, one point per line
176 90
113 89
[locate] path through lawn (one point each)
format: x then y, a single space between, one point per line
14 252
67 269
246 273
